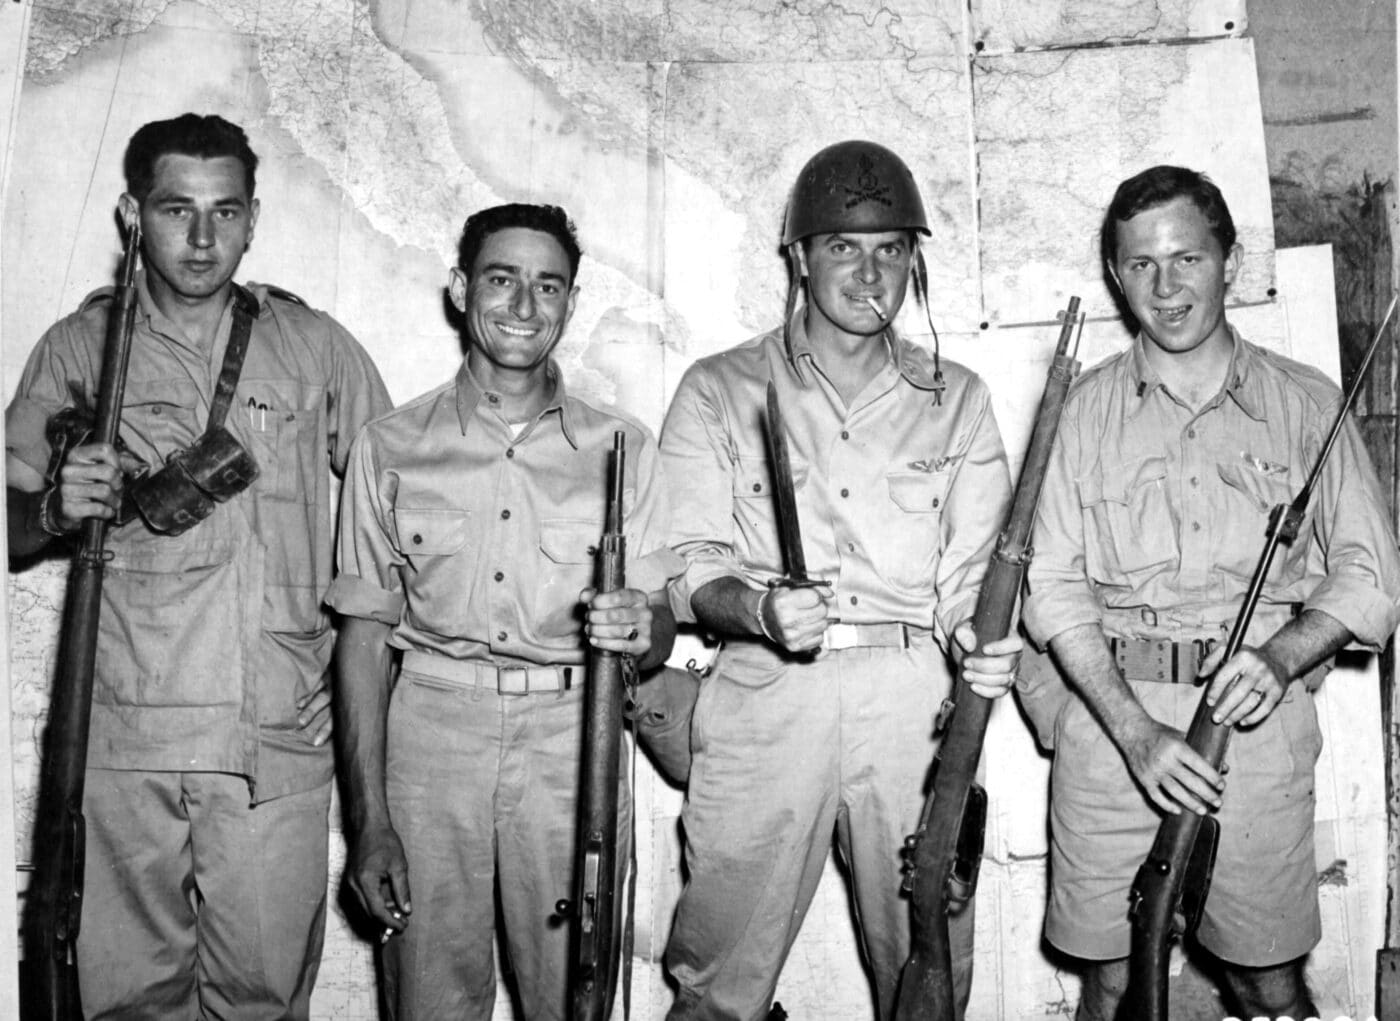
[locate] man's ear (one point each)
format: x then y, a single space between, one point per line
129 210
457 289
1233 258
253 208
573 300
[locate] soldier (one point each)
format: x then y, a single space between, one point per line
819 716
468 531
1169 459
209 772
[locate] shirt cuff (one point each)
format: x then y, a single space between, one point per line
699 573
950 614
1368 613
356 597
1054 611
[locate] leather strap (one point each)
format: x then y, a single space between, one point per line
245 310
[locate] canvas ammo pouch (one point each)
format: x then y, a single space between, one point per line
216 466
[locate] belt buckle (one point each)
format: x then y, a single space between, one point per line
512 680
840 636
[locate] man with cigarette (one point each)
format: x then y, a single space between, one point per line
1169 460
469 527
819 716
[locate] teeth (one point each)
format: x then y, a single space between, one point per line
514 331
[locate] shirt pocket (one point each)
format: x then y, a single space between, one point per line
568 548
160 417
287 437
906 546
1128 527
172 628
1253 493
756 512
435 542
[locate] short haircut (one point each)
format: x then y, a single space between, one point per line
550 220
190 134
1157 186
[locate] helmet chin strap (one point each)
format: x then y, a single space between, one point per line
795 278
921 295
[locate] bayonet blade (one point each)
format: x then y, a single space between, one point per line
784 497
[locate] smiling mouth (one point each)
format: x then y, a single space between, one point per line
1174 314
514 331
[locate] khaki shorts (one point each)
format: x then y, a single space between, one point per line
1262 907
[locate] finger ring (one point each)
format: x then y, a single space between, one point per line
632 635
384 936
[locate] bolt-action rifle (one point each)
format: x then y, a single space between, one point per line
595 910
1169 891
59 829
944 853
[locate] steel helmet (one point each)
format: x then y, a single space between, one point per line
856 187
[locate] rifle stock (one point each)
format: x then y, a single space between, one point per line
59 828
946 849
594 911
1160 906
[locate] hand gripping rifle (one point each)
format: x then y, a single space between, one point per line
595 908
1169 891
59 830
945 851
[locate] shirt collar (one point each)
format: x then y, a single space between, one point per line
470 394
909 360
1242 386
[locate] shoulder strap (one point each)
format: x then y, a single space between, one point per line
245 309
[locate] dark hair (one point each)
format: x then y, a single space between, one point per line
550 219
1157 186
189 134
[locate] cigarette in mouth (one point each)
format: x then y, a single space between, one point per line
875 307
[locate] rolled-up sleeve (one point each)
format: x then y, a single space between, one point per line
1058 596
695 450
1361 588
651 563
368 583
974 512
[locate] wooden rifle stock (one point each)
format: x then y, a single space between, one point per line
1169 890
59 829
594 911
946 849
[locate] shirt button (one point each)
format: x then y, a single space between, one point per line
417 539
1191 434
935 501
500 576
493 398
851 546
1195 526
501 636
1195 481
758 487
845 435
854 600
845 492
510 452
505 515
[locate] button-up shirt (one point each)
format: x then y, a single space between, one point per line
208 639
474 541
900 495
1153 515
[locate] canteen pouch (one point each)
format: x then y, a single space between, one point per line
183 493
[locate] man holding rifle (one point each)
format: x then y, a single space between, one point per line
1170 457
469 526
209 771
819 716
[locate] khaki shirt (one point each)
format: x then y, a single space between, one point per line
1153 516
900 497
474 542
208 639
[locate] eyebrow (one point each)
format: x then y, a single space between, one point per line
188 200
506 267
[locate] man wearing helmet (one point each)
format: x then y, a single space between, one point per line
819 714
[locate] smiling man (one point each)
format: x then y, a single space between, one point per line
1169 459
469 524
209 769
818 718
